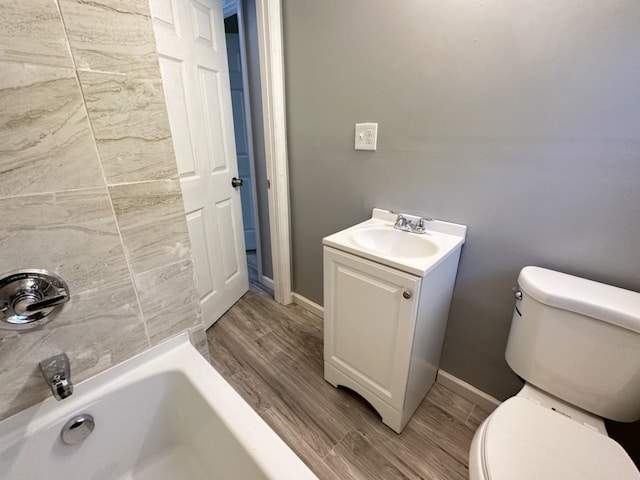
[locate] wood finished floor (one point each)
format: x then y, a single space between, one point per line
252 268
272 355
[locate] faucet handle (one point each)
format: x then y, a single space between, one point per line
48 302
402 223
421 224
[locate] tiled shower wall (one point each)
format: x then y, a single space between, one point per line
89 188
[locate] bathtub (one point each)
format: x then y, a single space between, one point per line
164 414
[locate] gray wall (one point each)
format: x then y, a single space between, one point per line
255 100
518 119
89 188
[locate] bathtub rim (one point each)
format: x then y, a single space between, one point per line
176 355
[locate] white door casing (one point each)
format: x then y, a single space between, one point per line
269 20
193 63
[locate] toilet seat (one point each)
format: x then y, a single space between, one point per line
527 441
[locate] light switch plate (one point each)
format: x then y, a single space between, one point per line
366 136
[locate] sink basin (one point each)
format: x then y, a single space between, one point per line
389 241
414 253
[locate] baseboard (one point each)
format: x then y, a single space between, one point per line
483 400
308 305
267 282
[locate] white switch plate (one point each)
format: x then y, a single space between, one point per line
366 136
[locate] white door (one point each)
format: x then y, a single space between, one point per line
242 139
193 62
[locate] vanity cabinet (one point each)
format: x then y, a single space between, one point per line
384 330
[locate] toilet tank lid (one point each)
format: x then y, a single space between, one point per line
605 302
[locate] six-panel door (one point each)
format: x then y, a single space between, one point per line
193 63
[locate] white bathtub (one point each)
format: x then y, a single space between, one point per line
165 414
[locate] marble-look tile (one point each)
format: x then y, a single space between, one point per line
109 35
71 233
130 124
46 143
91 329
169 300
152 223
31 31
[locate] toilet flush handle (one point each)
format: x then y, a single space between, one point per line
517 293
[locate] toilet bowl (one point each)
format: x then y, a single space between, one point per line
576 343
525 440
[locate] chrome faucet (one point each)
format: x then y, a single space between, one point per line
421 225
402 223
56 371
406 225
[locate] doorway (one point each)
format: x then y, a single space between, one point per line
196 83
244 75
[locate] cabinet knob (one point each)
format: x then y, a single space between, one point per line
407 294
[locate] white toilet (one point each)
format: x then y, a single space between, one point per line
576 343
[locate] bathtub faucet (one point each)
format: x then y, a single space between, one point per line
56 371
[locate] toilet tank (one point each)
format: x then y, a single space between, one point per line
578 340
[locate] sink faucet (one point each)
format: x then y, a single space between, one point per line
406 225
56 371
402 223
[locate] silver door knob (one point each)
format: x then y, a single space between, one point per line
236 182
407 294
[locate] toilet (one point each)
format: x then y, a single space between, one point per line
576 344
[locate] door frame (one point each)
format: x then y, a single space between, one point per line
269 19
269 23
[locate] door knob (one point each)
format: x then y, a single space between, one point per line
236 182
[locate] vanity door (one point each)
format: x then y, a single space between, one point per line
369 317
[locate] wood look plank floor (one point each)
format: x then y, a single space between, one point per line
272 355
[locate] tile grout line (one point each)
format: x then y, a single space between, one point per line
336 444
53 192
262 336
104 177
83 189
473 409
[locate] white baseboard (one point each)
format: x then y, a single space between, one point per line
267 282
308 304
483 400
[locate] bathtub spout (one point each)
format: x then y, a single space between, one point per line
56 371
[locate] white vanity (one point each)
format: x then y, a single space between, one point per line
386 302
